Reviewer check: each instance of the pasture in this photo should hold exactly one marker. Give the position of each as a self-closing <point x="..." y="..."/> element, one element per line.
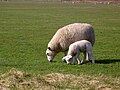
<point x="26" y="29"/>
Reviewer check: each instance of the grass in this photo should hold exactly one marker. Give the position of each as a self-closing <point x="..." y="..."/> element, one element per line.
<point x="26" y="29"/>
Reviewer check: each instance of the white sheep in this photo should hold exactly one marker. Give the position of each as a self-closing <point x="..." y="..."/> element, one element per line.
<point x="75" y="49"/>
<point x="68" y="35"/>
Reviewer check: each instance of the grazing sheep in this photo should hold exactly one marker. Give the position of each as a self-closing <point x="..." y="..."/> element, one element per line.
<point x="75" y="49"/>
<point x="68" y="35"/>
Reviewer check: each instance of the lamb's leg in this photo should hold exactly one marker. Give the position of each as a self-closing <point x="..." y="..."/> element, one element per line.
<point x="78" y="60"/>
<point x="87" y="56"/>
<point x="78" y="57"/>
<point x="74" y="60"/>
<point x="84" y="57"/>
<point x="89" y="51"/>
<point x="93" y="59"/>
<point x="92" y="56"/>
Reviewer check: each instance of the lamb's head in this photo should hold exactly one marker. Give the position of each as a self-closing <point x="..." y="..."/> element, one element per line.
<point x="50" y="54"/>
<point x="68" y="59"/>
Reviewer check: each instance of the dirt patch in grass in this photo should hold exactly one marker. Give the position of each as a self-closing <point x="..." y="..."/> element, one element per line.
<point x="83" y="82"/>
<point x="19" y="80"/>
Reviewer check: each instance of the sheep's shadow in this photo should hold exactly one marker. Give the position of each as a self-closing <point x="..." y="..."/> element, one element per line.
<point x="107" y="61"/>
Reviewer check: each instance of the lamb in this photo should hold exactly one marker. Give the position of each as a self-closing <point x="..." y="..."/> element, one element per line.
<point x="67" y="35"/>
<point x="75" y="49"/>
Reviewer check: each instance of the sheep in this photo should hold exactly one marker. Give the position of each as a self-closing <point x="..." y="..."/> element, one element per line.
<point x="75" y="49"/>
<point x="67" y="35"/>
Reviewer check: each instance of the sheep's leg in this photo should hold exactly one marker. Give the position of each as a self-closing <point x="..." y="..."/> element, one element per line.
<point x="84" y="58"/>
<point x="93" y="59"/>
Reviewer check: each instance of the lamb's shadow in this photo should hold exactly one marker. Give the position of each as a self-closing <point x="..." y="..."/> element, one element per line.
<point x="107" y="61"/>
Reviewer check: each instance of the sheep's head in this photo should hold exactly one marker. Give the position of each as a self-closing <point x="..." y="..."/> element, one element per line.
<point x="50" y="54"/>
<point x="68" y="59"/>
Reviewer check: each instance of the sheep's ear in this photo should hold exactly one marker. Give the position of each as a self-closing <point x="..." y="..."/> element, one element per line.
<point x="49" y="48"/>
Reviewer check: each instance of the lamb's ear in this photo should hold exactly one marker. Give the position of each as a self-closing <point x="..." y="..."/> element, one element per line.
<point x="70" y="56"/>
<point x="63" y="58"/>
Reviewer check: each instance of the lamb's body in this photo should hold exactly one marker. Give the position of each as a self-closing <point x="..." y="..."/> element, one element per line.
<point x="77" y="47"/>
<point x="70" y="34"/>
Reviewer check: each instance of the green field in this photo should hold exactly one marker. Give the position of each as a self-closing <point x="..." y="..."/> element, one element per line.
<point x="26" y="29"/>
